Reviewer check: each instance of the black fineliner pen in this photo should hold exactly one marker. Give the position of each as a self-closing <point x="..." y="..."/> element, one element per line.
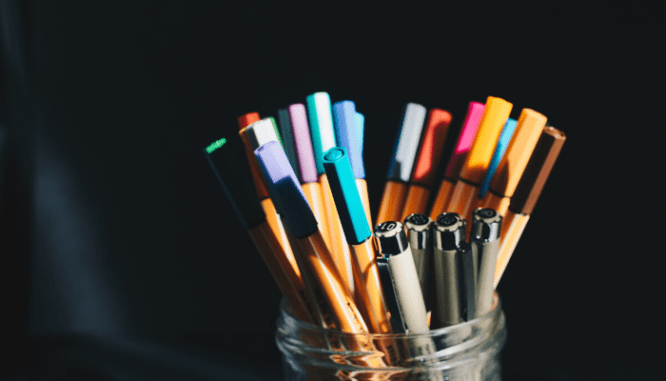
<point x="453" y="272"/>
<point x="484" y="237"/>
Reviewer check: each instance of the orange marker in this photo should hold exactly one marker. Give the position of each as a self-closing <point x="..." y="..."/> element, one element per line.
<point x="402" y="162"/>
<point x="239" y="191"/>
<point x="494" y="117"/>
<point x="254" y="136"/>
<point x="527" y="193"/>
<point x="511" y="167"/>
<point x="464" y="142"/>
<point x="423" y="177"/>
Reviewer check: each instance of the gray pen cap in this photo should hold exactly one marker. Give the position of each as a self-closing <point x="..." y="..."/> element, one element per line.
<point x="390" y="237"/>
<point x="449" y="230"/>
<point x="486" y="225"/>
<point x="418" y="226"/>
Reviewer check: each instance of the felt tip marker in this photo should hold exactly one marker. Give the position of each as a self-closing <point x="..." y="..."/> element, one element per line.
<point x="494" y="117"/>
<point x="429" y="156"/>
<point x="464" y="142"/>
<point x="527" y="193"/>
<point x="402" y="162"/>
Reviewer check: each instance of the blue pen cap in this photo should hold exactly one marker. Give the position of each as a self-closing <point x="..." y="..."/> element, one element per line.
<point x="500" y="148"/>
<point x="289" y="199"/>
<point x="346" y="132"/>
<point x="346" y="196"/>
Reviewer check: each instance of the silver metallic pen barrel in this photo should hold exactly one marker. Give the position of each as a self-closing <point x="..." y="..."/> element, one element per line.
<point x="484" y="237"/>
<point x="454" y="287"/>
<point x="419" y="233"/>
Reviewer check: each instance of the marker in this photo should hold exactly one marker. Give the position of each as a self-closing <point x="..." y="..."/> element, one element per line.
<point x="400" y="167"/>
<point x="396" y="260"/>
<point x="485" y="239"/>
<point x="512" y="165"/>
<point x="368" y="288"/>
<point x="349" y="136"/>
<point x="478" y="158"/>
<point x="253" y="136"/>
<point x="464" y="142"/>
<point x="323" y="139"/>
<point x="527" y="193"/>
<point x="244" y="121"/>
<point x="286" y="131"/>
<point x="240" y="193"/>
<point x="307" y="168"/>
<point x="453" y="271"/>
<point x="333" y="298"/>
<point x="430" y="153"/>
<point x="419" y="232"/>
<point x="500" y="148"/>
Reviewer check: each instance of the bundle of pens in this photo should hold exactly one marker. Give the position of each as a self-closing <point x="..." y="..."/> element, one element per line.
<point x="311" y="221"/>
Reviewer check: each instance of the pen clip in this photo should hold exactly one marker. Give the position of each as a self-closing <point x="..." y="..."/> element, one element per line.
<point x="467" y="285"/>
<point x="389" y="294"/>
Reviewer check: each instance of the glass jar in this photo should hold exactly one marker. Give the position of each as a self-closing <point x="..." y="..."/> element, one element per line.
<point x="466" y="351"/>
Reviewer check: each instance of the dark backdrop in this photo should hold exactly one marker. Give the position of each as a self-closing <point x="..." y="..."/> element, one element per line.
<point x="114" y="227"/>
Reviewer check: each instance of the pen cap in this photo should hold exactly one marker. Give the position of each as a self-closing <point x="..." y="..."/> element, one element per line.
<point x="360" y="132"/>
<point x="347" y="135"/>
<point x="345" y="195"/>
<point x="407" y="143"/>
<point x="286" y="132"/>
<point x="236" y="186"/>
<point x="537" y="170"/>
<point x="431" y="149"/>
<point x="419" y="225"/>
<point x="449" y="231"/>
<point x="303" y="143"/>
<point x="465" y="139"/>
<point x="247" y="119"/>
<point x="262" y="132"/>
<point x="390" y="238"/>
<point x="486" y="225"/>
<point x="290" y="201"/>
<point x="321" y="126"/>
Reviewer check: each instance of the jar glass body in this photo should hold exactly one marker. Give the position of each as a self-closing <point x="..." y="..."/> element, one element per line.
<point x="466" y="351"/>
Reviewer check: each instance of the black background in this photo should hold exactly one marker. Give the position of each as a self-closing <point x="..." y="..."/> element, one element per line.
<point x="114" y="228"/>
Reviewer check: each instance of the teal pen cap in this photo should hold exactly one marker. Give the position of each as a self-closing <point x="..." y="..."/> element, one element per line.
<point x="321" y="126"/>
<point x="346" y="196"/>
<point x="500" y="148"/>
<point x="284" y="121"/>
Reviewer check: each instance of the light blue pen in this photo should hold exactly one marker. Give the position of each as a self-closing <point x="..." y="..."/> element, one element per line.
<point x="500" y="148"/>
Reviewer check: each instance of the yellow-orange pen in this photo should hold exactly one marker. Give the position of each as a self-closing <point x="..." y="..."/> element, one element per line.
<point x="527" y="193"/>
<point x="400" y="167"/>
<point x="511" y="167"/>
<point x="429" y="155"/>
<point x="465" y="139"/>
<point x="323" y="139"/>
<point x="239" y="191"/>
<point x="334" y="296"/>
<point x="494" y="117"/>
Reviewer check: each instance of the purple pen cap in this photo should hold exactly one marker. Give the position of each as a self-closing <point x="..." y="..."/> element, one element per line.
<point x="303" y="143"/>
<point x="289" y="199"/>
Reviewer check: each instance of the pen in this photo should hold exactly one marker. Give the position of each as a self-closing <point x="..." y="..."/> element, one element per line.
<point x="402" y="161"/>
<point x="253" y="136"/>
<point x="244" y="121"/>
<point x="485" y="239"/>
<point x="349" y="134"/>
<point x="464" y="142"/>
<point x="240" y="193"/>
<point x="494" y="117"/>
<point x="307" y="168"/>
<point x="511" y="167"/>
<point x="527" y="193"/>
<point x="425" y="169"/>
<point x="419" y="227"/>
<point x="455" y="287"/>
<point x="332" y="296"/>
<point x="286" y="132"/>
<point x="323" y="139"/>
<point x="498" y="154"/>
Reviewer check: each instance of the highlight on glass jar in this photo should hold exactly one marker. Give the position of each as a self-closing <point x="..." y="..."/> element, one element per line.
<point x="465" y="351"/>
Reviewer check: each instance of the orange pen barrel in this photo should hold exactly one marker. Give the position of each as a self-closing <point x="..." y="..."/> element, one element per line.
<point x="393" y="201"/>
<point x="442" y="198"/>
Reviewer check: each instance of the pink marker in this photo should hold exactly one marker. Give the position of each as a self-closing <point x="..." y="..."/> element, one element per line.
<point x="465" y="140"/>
